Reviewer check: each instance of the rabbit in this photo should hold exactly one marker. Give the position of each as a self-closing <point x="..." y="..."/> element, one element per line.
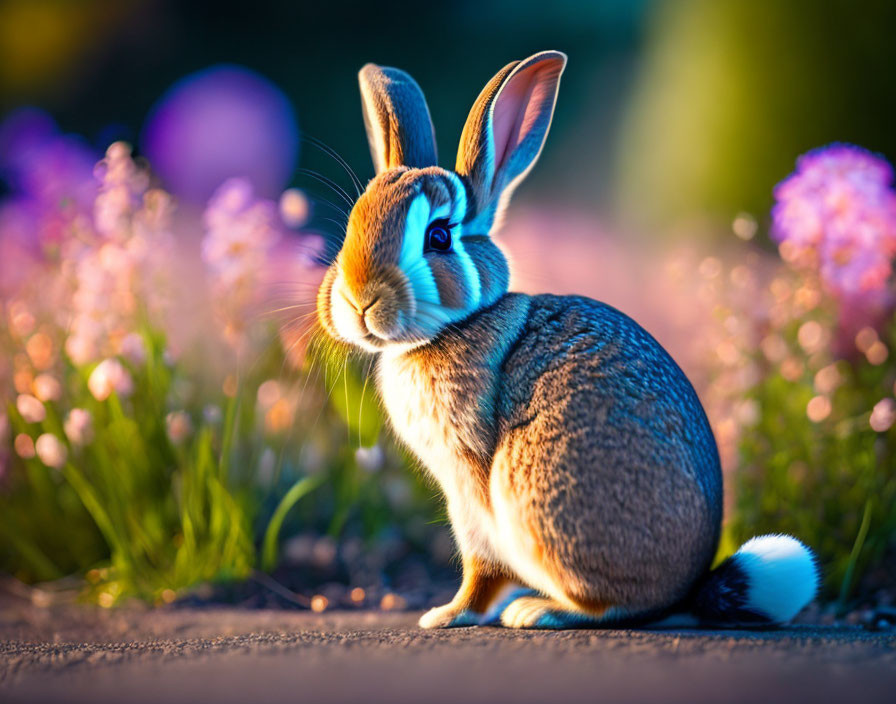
<point x="581" y="476"/>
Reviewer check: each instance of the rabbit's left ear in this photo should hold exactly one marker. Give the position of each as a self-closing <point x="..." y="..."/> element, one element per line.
<point x="399" y="128"/>
<point x="506" y="129"/>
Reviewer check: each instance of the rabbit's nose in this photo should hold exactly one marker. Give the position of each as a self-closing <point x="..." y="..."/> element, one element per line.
<point x="380" y="312"/>
<point x="367" y="303"/>
<point x="364" y="305"/>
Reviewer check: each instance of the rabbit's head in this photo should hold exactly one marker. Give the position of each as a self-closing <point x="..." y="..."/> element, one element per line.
<point x="417" y="254"/>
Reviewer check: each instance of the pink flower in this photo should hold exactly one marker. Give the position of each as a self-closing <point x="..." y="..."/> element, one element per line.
<point x="78" y="426"/>
<point x="883" y="415"/>
<point x="179" y="426"/>
<point x="47" y="388"/>
<point x="241" y="231"/>
<point x="24" y="446"/>
<point x="30" y="408"/>
<point x="133" y="349"/>
<point x="837" y="213"/>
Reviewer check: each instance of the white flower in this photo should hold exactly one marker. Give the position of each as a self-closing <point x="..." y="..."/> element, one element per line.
<point x="51" y="450"/>
<point x="212" y="414"/>
<point x="79" y="426"/>
<point x="179" y="426"/>
<point x="30" y="408"/>
<point x="47" y="388"/>
<point x="80" y="349"/>
<point x="883" y="416"/>
<point x="108" y="376"/>
<point x="370" y="459"/>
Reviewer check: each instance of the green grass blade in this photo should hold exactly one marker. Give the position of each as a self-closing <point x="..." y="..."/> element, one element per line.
<point x="93" y="505"/>
<point x="32" y="554"/>
<point x="228" y="437"/>
<point x="846" y="586"/>
<point x="269" y="546"/>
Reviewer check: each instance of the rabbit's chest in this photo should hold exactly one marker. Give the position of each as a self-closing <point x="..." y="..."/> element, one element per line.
<point x="440" y="418"/>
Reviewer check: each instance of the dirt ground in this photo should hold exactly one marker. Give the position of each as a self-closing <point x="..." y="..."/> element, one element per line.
<point x="230" y="655"/>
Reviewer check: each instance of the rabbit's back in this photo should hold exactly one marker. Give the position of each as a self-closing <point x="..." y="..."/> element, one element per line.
<point x="605" y="462"/>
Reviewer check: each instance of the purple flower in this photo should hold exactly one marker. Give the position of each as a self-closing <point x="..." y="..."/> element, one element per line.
<point x="43" y="166"/>
<point x="51" y="186"/>
<point x="837" y="213"/>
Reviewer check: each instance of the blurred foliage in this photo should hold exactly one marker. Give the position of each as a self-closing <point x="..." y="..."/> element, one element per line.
<point x="143" y="514"/>
<point x="832" y="480"/>
<point x="731" y="92"/>
<point x="148" y="511"/>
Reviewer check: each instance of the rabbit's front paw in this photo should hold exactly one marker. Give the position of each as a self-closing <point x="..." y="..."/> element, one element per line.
<point x="448" y="616"/>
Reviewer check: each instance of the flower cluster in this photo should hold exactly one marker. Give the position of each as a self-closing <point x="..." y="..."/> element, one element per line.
<point x="803" y="398"/>
<point x="837" y="213"/>
<point x="99" y="304"/>
<point x="240" y="234"/>
<point x="123" y="266"/>
<point x="91" y="256"/>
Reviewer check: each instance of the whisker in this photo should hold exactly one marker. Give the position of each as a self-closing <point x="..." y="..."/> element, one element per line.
<point x="293" y="329"/>
<point x="300" y="338"/>
<point x="286" y="308"/>
<point x="348" y="429"/>
<point x="323" y="201"/>
<point x="363" y="391"/>
<point x="340" y="225"/>
<point x="339" y="190"/>
<point x="320" y="144"/>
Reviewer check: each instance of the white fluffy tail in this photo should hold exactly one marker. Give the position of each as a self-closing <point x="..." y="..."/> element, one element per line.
<point x="768" y="580"/>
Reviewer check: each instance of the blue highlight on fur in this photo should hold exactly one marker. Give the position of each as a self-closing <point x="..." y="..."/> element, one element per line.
<point x="492" y="617"/>
<point x="464" y="619"/>
<point x="565" y="619"/>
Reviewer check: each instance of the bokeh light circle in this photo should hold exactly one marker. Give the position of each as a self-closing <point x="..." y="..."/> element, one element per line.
<point x="222" y="122"/>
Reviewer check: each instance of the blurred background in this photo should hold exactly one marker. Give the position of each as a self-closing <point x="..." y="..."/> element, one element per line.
<point x="669" y="111"/>
<point x="655" y="193"/>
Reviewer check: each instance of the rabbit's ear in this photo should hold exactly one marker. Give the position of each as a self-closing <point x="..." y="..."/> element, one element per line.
<point x="506" y="129"/>
<point x="399" y="128"/>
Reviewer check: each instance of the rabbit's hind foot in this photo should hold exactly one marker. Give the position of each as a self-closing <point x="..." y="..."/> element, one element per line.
<point x="448" y="616"/>
<point x="546" y="613"/>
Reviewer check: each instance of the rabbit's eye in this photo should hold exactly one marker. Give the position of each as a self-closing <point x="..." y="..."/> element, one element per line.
<point x="438" y="236"/>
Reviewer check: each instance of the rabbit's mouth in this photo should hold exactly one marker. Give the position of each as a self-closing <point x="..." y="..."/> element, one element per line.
<point x="372" y="316"/>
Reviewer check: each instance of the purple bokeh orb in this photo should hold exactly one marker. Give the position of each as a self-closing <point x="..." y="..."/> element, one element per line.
<point x="219" y="123"/>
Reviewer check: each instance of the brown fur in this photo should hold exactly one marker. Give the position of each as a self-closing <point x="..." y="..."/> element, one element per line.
<point x="614" y="518"/>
